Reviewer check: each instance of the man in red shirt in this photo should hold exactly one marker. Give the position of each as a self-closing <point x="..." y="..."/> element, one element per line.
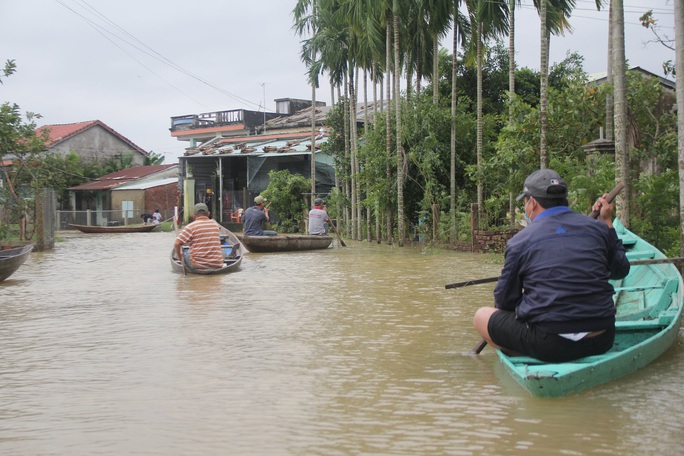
<point x="203" y="238"/>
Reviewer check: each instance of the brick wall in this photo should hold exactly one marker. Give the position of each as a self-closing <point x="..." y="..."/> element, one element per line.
<point x="164" y="198"/>
<point x="491" y="241"/>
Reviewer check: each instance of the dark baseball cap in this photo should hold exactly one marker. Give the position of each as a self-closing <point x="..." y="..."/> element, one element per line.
<point x="544" y="183"/>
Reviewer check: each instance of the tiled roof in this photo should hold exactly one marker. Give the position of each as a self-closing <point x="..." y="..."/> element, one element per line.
<point x="125" y="176"/>
<point x="61" y="132"/>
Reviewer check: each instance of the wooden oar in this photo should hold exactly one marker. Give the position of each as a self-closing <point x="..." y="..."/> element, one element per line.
<point x="339" y="238"/>
<point x="471" y="282"/>
<point x="594" y="214"/>
<point x="675" y="260"/>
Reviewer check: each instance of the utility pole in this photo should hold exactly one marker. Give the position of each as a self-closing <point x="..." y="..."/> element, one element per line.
<point x="263" y="84"/>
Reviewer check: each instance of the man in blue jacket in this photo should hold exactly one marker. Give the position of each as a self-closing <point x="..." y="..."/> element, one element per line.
<point x="553" y="300"/>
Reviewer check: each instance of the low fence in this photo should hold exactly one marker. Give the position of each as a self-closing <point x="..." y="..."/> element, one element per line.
<point x="100" y="218"/>
<point x="483" y="241"/>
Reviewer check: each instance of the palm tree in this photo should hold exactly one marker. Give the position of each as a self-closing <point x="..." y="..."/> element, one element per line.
<point x="553" y="15"/>
<point x="309" y="56"/>
<point x="679" y="53"/>
<point x="439" y="13"/>
<point x="396" y="11"/>
<point x="489" y="19"/>
<point x="619" y="67"/>
<point x="461" y="29"/>
<point x="511" y="90"/>
<point x="544" y="80"/>
<point x="610" y="116"/>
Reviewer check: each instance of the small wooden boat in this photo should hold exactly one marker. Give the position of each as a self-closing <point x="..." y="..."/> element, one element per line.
<point x="649" y="308"/>
<point x="285" y="243"/>
<point x="11" y="259"/>
<point x="232" y="251"/>
<point x="114" y="229"/>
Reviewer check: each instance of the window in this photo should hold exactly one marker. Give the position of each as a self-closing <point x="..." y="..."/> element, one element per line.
<point x="127" y="209"/>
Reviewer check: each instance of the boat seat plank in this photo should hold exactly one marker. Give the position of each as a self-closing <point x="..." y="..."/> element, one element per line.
<point x="630" y="325"/>
<point x="640" y="255"/>
<point x="660" y="304"/>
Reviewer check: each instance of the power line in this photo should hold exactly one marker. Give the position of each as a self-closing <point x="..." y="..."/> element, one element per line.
<point x="142" y="47"/>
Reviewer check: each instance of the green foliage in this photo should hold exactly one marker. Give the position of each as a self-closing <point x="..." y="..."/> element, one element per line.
<point x="9" y="69"/>
<point x="570" y="108"/>
<point x="657" y="218"/>
<point x="286" y="194"/>
<point x="153" y="159"/>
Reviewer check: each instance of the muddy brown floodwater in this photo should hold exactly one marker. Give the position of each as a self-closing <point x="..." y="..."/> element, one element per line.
<point x="345" y="351"/>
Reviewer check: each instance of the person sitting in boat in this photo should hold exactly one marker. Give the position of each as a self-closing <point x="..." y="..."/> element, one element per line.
<point x="156" y="217"/>
<point x="146" y="218"/>
<point x="318" y="218"/>
<point x="255" y="217"/>
<point x="553" y="300"/>
<point x="203" y="238"/>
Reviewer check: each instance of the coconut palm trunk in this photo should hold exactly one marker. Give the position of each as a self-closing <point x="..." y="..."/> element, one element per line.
<point x="543" y="86"/>
<point x="400" y="149"/>
<point x="679" y="57"/>
<point x="454" y="95"/>
<point x="388" y="122"/>
<point x="480" y="126"/>
<point x="621" y="122"/>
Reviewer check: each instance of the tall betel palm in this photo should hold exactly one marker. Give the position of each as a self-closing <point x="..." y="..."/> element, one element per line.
<point x="679" y="59"/>
<point x="511" y="92"/>
<point x="310" y="58"/>
<point x="619" y="67"/>
<point x="554" y="20"/>
<point x="461" y="29"/>
<point x="489" y="20"/>
<point x="544" y="79"/>
<point x="440" y="13"/>
<point x="366" y="45"/>
<point x="397" y="7"/>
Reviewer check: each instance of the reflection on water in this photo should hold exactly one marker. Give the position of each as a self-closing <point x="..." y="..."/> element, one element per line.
<point x="357" y="350"/>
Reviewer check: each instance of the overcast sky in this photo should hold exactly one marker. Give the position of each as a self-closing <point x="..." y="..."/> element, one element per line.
<point x="134" y="64"/>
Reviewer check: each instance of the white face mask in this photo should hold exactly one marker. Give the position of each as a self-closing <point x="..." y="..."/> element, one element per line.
<point x="527" y="217"/>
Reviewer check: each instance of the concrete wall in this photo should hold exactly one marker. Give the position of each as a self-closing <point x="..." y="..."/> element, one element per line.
<point x="137" y="196"/>
<point x="97" y="143"/>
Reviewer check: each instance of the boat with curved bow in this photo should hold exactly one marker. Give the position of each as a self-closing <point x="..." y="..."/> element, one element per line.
<point x="285" y="243"/>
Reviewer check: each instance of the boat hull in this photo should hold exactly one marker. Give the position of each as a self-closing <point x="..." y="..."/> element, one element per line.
<point x="232" y="260"/>
<point x="649" y="307"/>
<point x="12" y="259"/>
<point x="114" y="229"/>
<point x="285" y="243"/>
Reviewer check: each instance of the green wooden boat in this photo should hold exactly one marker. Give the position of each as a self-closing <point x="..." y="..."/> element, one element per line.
<point x="649" y="308"/>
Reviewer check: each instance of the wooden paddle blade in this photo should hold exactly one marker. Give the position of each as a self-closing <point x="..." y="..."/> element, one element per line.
<point x="479" y="347"/>
<point x="337" y="233"/>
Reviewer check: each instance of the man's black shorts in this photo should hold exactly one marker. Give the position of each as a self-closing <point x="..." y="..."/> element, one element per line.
<point x="514" y="335"/>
